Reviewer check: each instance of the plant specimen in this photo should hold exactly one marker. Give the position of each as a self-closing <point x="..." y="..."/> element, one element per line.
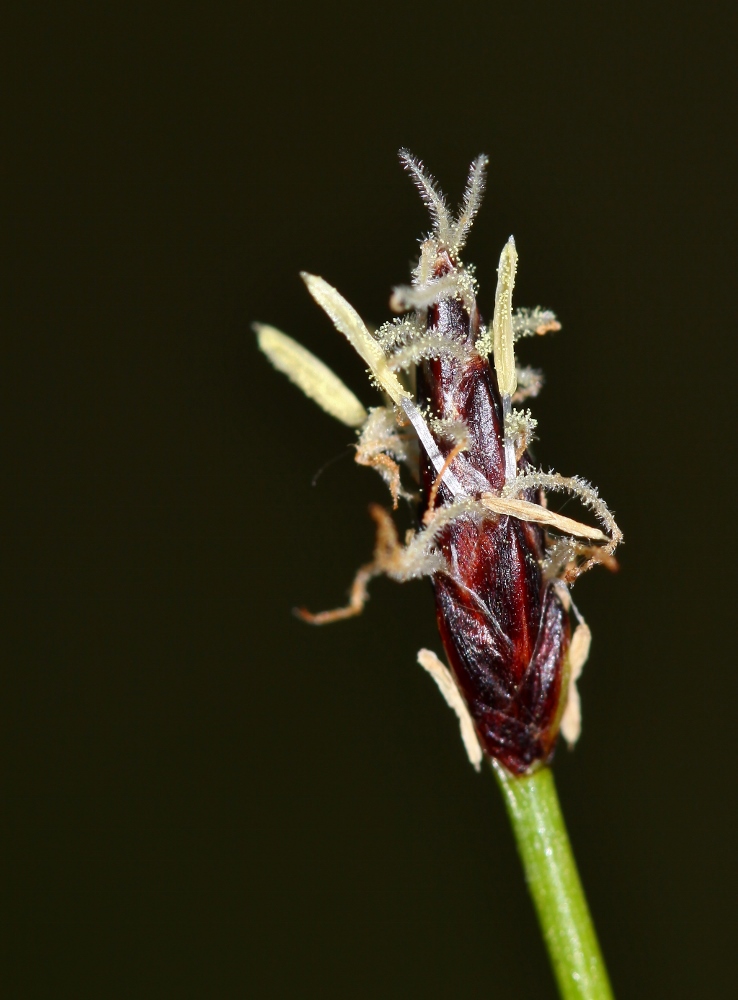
<point x="452" y="439"/>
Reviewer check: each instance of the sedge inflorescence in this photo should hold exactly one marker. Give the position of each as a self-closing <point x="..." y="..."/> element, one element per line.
<point x="452" y="439"/>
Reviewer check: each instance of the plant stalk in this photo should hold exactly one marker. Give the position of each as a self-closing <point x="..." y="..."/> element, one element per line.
<point x="553" y="881"/>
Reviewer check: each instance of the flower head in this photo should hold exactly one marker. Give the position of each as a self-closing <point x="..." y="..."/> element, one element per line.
<point x="500" y="561"/>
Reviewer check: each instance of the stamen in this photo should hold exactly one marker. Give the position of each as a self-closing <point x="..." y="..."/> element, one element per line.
<point x="504" y="344"/>
<point x="348" y="322"/>
<point x="428" y="441"/>
<point x="430" y="512"/>
<point x="310" y="374"/>
<point x="527" y="511"/>
<point x="510" y="463"/>
<point x="447" y="686"/>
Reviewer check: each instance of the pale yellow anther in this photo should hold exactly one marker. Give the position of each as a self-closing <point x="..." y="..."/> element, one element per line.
<point x="502" y="330"/>
<point x="452" y="696"/>
<point x="571" y="720"/>
<point x="310" y="374"/>
<point x="348" y="322"/>
<point x="524" y="510"/>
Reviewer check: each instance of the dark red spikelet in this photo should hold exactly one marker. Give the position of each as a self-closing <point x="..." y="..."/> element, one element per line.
<point x="503" y="621"/>
<point x="504" y="629"/>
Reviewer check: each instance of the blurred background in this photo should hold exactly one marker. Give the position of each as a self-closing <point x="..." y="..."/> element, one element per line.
<point x="202" y="796"/>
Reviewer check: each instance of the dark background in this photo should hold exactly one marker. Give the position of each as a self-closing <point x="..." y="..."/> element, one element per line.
<point x="202" y="796"/>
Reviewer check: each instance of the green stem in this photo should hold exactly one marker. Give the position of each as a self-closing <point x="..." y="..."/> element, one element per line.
<point x="553" y="880"/>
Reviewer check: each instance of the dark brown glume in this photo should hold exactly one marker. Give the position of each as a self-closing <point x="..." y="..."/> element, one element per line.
<point x="504" y="629"/>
